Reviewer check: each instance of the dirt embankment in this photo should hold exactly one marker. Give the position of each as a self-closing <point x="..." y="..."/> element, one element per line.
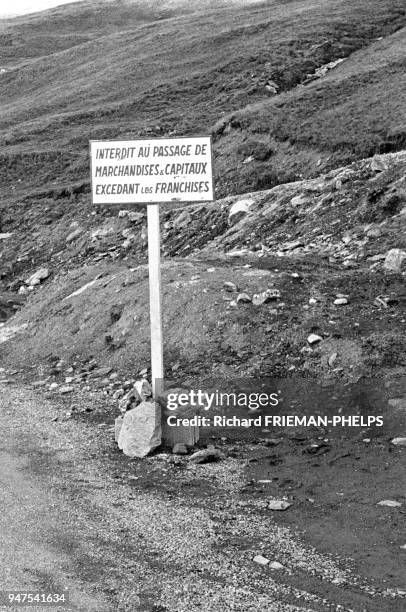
<point x="320" y="244"/>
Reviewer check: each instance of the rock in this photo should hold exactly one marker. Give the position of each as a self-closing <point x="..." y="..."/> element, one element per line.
<point x="37" y="277"/>
<point x="53" y="386"/>
<point x="243" y="298"/>
<point x="141" y="430"/>
<point x="207" y="455"/>
<point x="143" y="389"/>
<point x="182" y="220"/>
<point x="265" y="296"/>
<point x="278" y="504"/>
<point x="65" y="389"/>
<point x="390" y="503"/>
<point x="377" y="257"/>
<point x="399" y="441"/>
<point x="180" y="449"/>
<point x="291" y="246"/>
<point x="231" y="287"/>
<point x="332" y="359"/>
<point x="261" y="560"/>
<point x="75" y="234"/>
<point x="378" y="164"/>
<point x="115" y="312"/>
<point x="239" y="210"/>
<point x="129" y="400"/>
<point x="312" y="301"/>
<point x="394" y="260"/>
<point x="275" y="565"/>
<point x="6" y="235"/>
<point x="98" y="372"/>
<point x="340" y="301"/>
<point x="314" y="339"/>
<point x="298" y="201"/>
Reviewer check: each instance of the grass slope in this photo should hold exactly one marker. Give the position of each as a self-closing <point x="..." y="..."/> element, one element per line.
<point x="124" y="69"/>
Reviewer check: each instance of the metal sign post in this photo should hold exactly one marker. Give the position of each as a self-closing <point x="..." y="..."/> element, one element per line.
<point x="155" y="299"/>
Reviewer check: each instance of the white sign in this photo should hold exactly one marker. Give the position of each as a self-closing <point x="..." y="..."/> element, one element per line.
<point x="152" y="170"/>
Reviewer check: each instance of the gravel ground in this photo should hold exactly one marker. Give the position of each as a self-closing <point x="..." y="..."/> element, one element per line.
<point x="69" y="520"/>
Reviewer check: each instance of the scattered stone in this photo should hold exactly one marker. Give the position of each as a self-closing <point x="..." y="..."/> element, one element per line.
<point x="141" y="430"/>
<point x="230" y="287"/>
<point x="261" y="560"/>
<point x="75" y="234"/>
<point x="399" y="441"/>
<point x="143" y="389"/>
<point x="342" y="301"/>
<point x="314" y="339"/>
<point x="390" y="503"/>
<point x="134" y="217"/>
<point x="182" y="220"/>
<point x="37" y="277"/>
<point x="332" y="359"/>
<point x="265" y="296"/>
<point x="243" y="298"/>
<point x="278" y="504"/>
<point x="115" y="312"/>
<point x="394" y="260"/>
<point x="374" y="232"/>
<point x="239" y="210"/>
<point x="378" y="164"/>
<point x="180" y="449"/>
<point x="65" y="389"/>
<point x="275" y="565"/>
<point x="207" y="455"/>
<point x="377" y="257"/>
<point x="381" y="301"/>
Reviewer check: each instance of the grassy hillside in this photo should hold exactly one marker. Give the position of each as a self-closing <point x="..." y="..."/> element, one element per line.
<point x="124" y="69"/>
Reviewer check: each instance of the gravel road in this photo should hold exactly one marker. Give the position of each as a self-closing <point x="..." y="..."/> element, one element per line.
<point x="69" y="521"/>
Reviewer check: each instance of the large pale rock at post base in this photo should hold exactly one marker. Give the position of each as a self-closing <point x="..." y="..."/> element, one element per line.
<point x="141" y="431"/>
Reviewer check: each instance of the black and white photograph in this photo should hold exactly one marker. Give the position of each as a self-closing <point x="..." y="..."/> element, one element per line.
<point x="203" y="305"/>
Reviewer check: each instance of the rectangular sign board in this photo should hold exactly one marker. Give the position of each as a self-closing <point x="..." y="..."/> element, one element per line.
<point x="152" y="170"/>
